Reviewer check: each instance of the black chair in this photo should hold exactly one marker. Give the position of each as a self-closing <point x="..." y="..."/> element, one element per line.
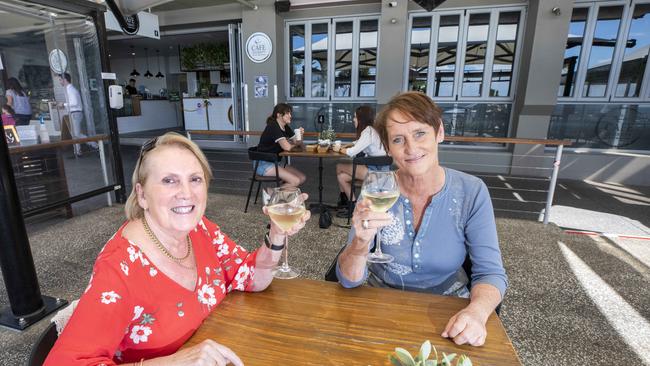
<point x="331" y="276"/>
<point x="43" y="346"/>
<point x="364" y="160"/>
<point x="256" y="156"/>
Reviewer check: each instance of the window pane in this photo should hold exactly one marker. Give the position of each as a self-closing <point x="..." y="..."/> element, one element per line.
<point x="572" y="51"/>
<point x="319" y="60"/>
<point x="637" y="48"/>
<point x="602" y="125"/>
<point x="504" y="54"/>
<point x="343" y="59"/>
<point x="367" y="57"/>
<point x="477" y="35"/>
<point x="297" y="71"/>
<point x="446" y="57"/>
<point x="602" y="50"/>
<point x="419" y="54"/>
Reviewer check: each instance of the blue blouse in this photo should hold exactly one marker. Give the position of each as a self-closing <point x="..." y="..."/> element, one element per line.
<point x="459" y="219"/>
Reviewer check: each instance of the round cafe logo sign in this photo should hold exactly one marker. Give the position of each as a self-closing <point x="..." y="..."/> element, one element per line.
<point x="259" y="47"/>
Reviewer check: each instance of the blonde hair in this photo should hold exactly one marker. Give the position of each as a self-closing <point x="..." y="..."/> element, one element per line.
<point x="132" y="208"/>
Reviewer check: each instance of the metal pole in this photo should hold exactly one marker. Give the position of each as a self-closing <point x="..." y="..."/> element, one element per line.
<point x="102" y="161"/>
<point x="27" y="305"/>
<point x="551" y="185"/>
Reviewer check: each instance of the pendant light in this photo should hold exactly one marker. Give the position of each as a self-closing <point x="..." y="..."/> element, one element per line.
<point x="159" y="75"/>
<point x="147" y="74"/>
<point x="135" y="72"/>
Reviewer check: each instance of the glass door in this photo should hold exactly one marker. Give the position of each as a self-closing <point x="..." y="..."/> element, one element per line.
<point x="52" y="90"/>
<point x="236" y="111"/>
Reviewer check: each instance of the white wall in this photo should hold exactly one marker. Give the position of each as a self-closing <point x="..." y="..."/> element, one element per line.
<point x="155" y="114"/>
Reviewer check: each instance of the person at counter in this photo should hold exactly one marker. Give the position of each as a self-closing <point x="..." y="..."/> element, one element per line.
<point x="18" y="100"/>
<point x="277" y="137"/>
<point x="130" y="88"/>
<point x="165" y="270"/>
<point x="441" y="216"/>
<point x="75" y="112"/>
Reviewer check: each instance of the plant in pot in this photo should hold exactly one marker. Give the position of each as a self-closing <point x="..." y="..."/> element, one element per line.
<point x="402" y="357"/>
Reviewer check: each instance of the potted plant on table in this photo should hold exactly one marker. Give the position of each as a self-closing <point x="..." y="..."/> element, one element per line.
<point x="402" y="357"/>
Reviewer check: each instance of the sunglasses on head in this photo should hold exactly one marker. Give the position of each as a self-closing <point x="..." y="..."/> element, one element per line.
<point x="148" y="146"/>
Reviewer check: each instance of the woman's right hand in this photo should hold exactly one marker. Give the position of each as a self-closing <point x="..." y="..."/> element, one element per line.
<point x="375" y="220"/>
<point x="206" y="353"/>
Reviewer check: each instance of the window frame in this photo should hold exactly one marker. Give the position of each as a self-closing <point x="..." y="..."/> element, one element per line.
<point x="461" y="46"/>
<point x="331" y="53"/>
<point x="644" y="94"/>
<point x="617" y="56"/>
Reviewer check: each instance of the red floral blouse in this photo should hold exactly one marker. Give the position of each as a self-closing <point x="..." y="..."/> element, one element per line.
<point x="131" y="310"/>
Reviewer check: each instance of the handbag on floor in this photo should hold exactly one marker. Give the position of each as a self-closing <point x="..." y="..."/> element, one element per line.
<point x="325" y="219"/>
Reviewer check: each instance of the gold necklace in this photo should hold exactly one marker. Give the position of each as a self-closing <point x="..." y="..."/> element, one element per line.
<point x="162" y="248"/>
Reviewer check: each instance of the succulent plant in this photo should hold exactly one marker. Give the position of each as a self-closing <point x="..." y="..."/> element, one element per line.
<point x="402" y="357"/>
<point x="328" y="134"/>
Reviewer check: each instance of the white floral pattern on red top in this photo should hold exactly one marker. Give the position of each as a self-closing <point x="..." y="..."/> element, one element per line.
<point x="223" y="250"/>
<point x="137" y="312"/>
<point x="242" y="276"/>
<point x="140" y="333"/>
<point x="219" y="237"/>
<point x="125" y="268"/>
<point x="206" y="295"/>
<point x="109" y="297"/>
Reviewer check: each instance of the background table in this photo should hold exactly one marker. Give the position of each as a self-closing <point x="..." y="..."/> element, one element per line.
<point x="306" y="322"/>
<point x="326" y="155"/>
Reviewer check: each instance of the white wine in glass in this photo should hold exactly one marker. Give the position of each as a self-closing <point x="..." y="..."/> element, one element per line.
<point x="381" y="201"/>
<point x="286" y="215"/>
<point x="380" y="187"/>
<point x="286" y="209"/>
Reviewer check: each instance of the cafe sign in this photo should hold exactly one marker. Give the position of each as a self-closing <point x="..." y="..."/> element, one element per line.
<point x="259" y="47"/>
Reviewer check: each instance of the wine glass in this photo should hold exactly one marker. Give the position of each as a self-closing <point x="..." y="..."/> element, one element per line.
<point x="380" y="187"/>
<point x="286" y="209"/>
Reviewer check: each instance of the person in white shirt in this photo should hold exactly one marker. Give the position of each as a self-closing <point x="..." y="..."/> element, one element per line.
<point x="367" y="142"/>
<point x="75" y="112"/>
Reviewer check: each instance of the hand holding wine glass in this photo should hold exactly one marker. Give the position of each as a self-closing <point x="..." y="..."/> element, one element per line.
<point x="381" y="190"/>
<point x="288" y="215"/>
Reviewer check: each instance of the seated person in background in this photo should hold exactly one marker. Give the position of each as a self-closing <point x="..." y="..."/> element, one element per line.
<point x="8" y="116"/>
<point x="164" y="271"/>
<point x="130" y="88"/>
<point x="440" y="217"/>
<point x="369" y="143"/>
<point x="278" y="137"/>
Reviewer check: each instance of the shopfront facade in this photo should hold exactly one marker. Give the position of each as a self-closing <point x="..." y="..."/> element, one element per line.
<point x="527" y="69"/>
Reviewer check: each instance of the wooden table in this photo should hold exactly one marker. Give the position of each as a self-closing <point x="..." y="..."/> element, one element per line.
<point x="306" y="154"/>
<point x="306" y="322"/>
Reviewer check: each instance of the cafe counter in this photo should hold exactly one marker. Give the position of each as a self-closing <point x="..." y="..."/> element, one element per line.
<point x="218" y="116"/>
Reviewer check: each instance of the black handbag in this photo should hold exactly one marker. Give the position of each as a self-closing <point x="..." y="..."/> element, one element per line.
<point x="325" y="219"/>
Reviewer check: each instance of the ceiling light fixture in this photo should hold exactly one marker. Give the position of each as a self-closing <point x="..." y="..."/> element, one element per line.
<point x="147" y="74"/>
<point x="159" y="75"/>
<point x="135" y="72"/>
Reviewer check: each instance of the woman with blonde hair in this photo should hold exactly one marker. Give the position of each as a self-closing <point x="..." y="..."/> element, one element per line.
<point x="164" y="271"/>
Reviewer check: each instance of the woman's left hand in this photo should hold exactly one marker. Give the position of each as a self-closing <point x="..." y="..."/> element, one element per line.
<point x="467" y="326"/>
<point x="276" y="233"/>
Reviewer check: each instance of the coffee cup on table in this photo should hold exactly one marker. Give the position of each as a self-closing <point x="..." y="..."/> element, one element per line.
<point x="297" y="134"/>
<point x="337" y="146"/>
